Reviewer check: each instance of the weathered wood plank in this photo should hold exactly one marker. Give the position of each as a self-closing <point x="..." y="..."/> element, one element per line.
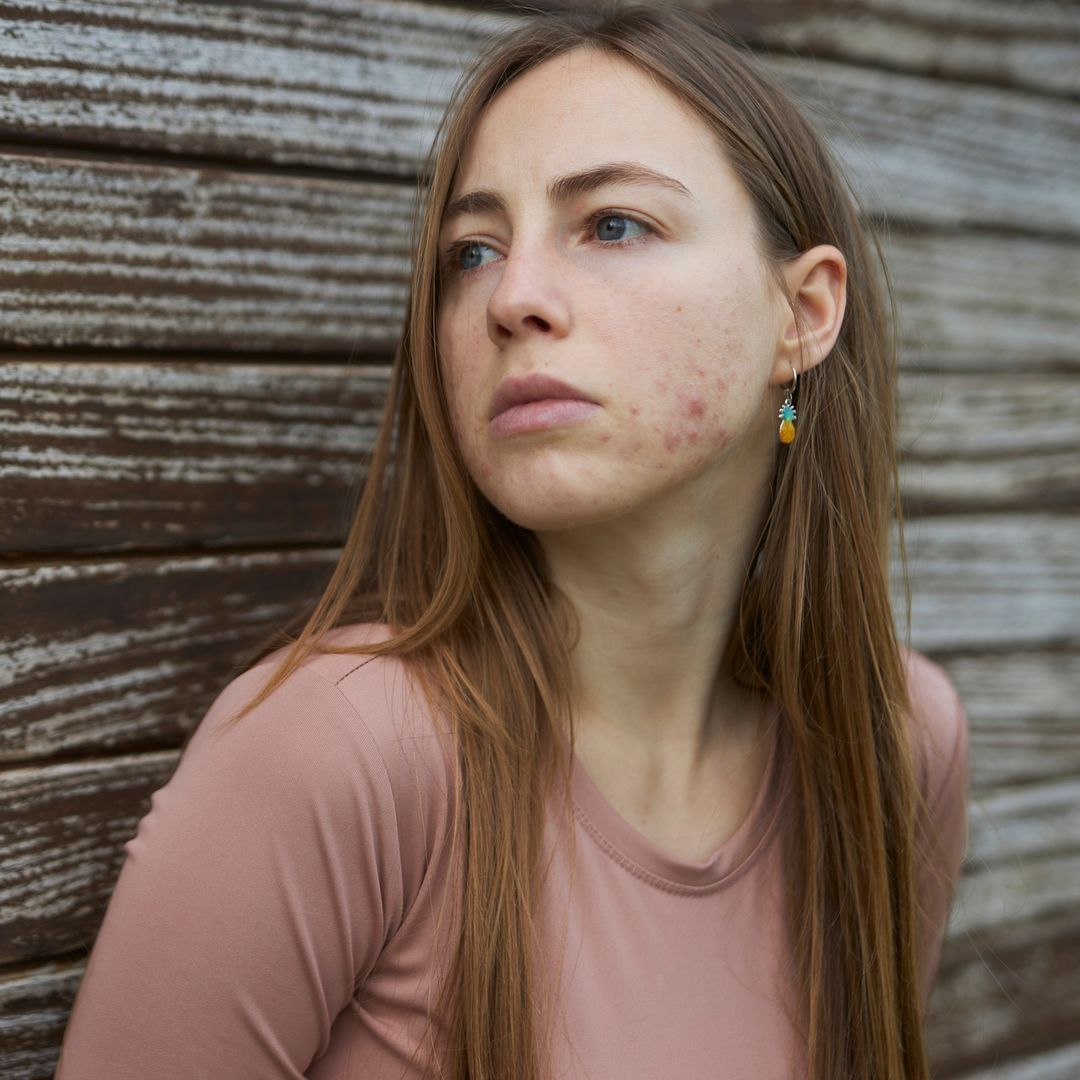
<point x="119" y="654"/>
<point x="35" y="1002"/>
<point x="333" y="84"/>
<point x="988" y="441"/>
<point x="124" y="455"/>
<point x="1061" y="1063"/>
<point x="118" y="456"/>
<point x="1024" y="46"/>
<point x="991" y="581"/>
<point x="126" y="654"/>
<point x="122" y="255"/>
<point x="983" y="301"/>
<point x="1022" y="709"/>
<point x="147" y="256"/>
<point x="364" y="89"/>
<point x="1006" y="994"/>
<point x="62" y="836"/>
<point x="1023" y="857"/>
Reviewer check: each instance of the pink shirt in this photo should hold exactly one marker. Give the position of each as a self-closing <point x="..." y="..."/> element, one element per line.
<point x="275" y="916"/>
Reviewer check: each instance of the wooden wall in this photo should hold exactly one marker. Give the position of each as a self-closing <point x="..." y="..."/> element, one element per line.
<point x="204" y="267"/>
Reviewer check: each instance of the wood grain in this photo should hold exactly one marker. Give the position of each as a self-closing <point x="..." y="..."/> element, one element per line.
<point x="118" y="654"/>
<point x="134" y="256"/>
<point x="108" y="457"/>
<point x="121" y="653"/>
<point x="316" y="84"/>
<point x="117" y="456"/>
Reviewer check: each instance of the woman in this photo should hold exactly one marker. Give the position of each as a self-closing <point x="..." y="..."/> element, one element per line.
<point x="599" y="754"/>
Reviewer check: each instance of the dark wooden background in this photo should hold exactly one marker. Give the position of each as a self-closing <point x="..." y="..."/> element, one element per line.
<point x="204" y="258"/>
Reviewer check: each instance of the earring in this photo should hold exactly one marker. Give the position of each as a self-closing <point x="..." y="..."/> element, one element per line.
<point x="787" y="411"/>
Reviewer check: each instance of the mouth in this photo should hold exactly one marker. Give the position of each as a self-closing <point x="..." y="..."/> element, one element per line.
<point x="522" y="390"/>
<point x="540" y="415"/>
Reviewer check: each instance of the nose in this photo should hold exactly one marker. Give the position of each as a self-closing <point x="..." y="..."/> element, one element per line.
<point x="529" y="296"/>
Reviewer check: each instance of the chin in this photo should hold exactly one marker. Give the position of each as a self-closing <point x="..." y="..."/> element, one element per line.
<point x="547" y="511"/>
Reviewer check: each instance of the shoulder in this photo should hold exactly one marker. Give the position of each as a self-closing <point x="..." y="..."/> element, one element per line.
<point x="939" y="726"/>
<point x="352" y="731"/>
<point x="383" y="702"/>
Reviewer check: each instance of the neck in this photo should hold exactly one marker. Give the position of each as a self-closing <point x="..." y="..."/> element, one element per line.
<point x="655" y="591"/>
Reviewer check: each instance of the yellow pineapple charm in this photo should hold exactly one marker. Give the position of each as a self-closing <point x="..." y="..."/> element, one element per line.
<point x="787" y="413"/>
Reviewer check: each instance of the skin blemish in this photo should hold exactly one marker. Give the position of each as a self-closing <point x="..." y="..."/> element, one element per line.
<point x="696" y="408"/>
<point x="694" y="436"/>
<point x="635" y="409"/>
<point x="606" y="437"/>
<point x="672" y="441"/>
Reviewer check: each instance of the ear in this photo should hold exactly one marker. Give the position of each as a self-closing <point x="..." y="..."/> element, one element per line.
<point x="817" y="282"/>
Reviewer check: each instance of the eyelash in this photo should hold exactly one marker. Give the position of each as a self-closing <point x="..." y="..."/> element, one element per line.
<point x="450" y="254"/>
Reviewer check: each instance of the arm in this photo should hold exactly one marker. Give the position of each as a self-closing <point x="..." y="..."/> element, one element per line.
<point x="943" y="839"/>
<point x="254" y="899"/>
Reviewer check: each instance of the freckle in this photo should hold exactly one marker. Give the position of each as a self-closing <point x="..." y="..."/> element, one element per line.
<point x="634" y="410"/>
<point x="678" y="309"/>
<point x="696" y="408"/>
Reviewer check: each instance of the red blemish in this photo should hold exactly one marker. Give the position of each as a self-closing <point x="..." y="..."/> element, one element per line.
<point x="696" y="408"/>
<point x="634" y="410"/>
<point x="605" y="437"/>
<point x="671" y="442"/>
<point x="694" y="436"/>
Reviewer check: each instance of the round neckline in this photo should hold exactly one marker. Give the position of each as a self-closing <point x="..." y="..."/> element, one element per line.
<point x="647" y="860"/>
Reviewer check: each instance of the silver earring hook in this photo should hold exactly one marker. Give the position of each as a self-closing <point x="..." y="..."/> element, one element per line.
<point x="794" y="381"/>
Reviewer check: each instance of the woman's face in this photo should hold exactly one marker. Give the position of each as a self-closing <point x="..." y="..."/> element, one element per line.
<point x="647" y="298"/>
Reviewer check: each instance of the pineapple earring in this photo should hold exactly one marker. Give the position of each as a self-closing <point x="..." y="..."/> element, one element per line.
<point x="787" y="411"/>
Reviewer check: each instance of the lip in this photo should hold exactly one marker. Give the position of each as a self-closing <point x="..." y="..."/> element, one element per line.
<point x="522" y="389"/>
<point x="538" y="415"/>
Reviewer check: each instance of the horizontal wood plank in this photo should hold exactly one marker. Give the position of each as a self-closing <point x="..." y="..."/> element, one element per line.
<point x="107" y="457"/>
<point x="336" y="85"/>
<point x="1031" y="47"/>
<point x="129" y="256"/>
<point x="35" y="1002"/>
<point x="119" y="456"/>
<point x="993" y="582"/>
<point x="988" y="441"/>
<point x="1022" y="714"/>
<point x="123" y="653"/>
<point x="118" y="654"/>
<point x="364" y="89"/>
<point x="121" y="255"/>
<point x="1004" y="997"/>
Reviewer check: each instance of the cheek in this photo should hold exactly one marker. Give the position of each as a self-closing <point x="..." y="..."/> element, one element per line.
<point x="694" y="415"/>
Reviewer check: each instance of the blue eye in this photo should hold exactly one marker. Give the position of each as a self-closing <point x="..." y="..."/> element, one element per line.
<point x="450" y="258"/>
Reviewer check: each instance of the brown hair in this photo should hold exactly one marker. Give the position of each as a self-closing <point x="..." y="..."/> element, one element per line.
<point x="474" y="613"/>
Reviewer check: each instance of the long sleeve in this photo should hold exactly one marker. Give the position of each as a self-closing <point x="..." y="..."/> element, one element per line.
<point x="943" y="838"/>
<point x="255" y="897"/>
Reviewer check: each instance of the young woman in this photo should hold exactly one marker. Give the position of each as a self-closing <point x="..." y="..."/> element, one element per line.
<point x="599" y="756"/>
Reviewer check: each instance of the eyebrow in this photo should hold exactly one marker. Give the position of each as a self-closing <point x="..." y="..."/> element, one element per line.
<point x="564" y="188"/>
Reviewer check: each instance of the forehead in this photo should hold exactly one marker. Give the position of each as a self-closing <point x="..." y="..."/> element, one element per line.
<point x="580" y="108"/>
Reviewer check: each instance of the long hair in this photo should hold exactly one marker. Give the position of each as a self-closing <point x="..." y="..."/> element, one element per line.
<point x="473" y="611"/>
